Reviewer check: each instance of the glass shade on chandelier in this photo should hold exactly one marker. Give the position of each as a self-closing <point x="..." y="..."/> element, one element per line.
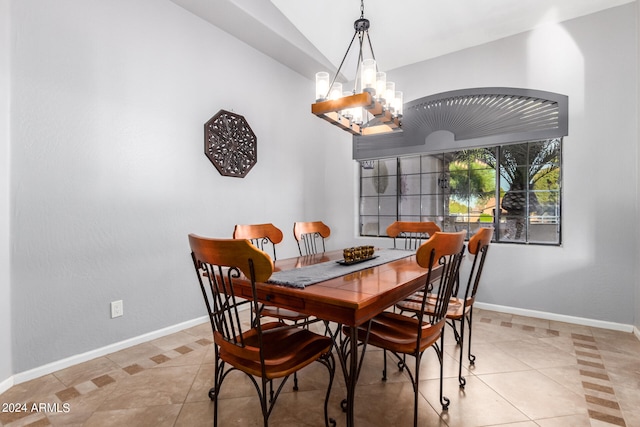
<point x="377" y="108"/>
<point x="381" y="82"/>
<point x="322" y="85"/>
<point x="374" y="106"/>
<point x="369" y="74"/>
<point x="336" y="91"/>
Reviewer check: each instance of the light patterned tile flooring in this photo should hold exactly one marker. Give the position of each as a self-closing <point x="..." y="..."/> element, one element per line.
<point x="528" y="372"/>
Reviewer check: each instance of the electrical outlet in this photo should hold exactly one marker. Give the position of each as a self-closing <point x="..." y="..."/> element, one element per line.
<point x="117" y="309"/>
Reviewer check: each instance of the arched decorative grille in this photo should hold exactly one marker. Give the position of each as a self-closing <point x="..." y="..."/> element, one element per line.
<point x="470" y="118"/>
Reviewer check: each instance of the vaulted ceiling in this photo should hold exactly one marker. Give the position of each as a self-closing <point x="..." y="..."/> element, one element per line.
<point x="313" y="35"/>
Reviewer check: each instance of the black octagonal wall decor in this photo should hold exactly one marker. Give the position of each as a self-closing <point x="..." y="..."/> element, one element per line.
<point x="230" y="144"/>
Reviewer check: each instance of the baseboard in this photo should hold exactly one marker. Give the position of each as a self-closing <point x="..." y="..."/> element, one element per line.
<point x="6" y="385"/>
<point x="79" y="358"/>
<point x="102" y="351"/>
<point x="559" y="317"/>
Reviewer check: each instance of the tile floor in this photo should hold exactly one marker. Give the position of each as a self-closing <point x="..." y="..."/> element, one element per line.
<point x="528" y="372"/>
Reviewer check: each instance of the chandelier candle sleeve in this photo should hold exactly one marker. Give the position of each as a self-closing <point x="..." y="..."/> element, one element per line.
<point x="397" y="104"/>
<point x="336" y="91"/>
<point x="347" y="112"/>
<point x="375" y="109"/>
<point x="322" y="85"/>
<point x="369" y="75"/>
<point x="381" y="84"/>
<point x="356" y="112"/>
<point x="390" y="93"/>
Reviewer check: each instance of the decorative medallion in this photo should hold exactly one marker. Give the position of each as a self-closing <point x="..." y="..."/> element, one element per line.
<point x="230" y="144"/>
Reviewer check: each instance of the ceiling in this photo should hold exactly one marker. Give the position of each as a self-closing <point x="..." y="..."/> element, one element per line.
<point x="313" y="35"/>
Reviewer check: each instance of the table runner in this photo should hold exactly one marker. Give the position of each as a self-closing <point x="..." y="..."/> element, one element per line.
<point x="309" y="275"/>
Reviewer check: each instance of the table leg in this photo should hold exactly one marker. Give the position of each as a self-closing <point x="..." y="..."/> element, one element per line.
<point x="347" y="351"/>
<point x="352" y="378"/>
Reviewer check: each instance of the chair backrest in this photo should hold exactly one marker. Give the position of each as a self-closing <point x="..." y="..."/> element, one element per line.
<point x="413" y="232"/>
<point x="261" y="235"/>
<point x="478" y="247"/>
<point x="307" y="235"/>
<point x="219" y="263"/>
<point x="442" y="253"/>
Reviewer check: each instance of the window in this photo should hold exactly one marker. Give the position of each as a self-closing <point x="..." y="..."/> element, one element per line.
<point x="516" y="188"/>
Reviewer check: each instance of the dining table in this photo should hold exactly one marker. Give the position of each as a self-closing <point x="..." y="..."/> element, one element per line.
<point x="347" y="300"/>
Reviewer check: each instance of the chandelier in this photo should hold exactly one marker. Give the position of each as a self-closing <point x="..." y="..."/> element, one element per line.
<point x="371" y="108"/>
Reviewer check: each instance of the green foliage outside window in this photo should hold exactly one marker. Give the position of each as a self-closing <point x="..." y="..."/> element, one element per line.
<point x="516" y="188"/>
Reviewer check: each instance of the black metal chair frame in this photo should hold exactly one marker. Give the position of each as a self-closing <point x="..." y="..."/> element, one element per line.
<point x="449" y="266"/>
<point x="412" y="241"/>
<point x="309" y="242"/>
<point x="414" y="233"/>
<point x="262" y="243"/>
<point x="446" y="285"/>
<point x="470" y="292"/>
<point x="223" y="309"/>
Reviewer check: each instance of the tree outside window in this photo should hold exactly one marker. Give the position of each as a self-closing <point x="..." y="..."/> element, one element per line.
<point x="514" y="187"/>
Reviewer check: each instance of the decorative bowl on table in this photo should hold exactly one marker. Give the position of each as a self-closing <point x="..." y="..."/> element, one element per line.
<point x="357" y="254"/>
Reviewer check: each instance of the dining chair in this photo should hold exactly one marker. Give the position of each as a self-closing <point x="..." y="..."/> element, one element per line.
<point x="262" y="236"/>
<point x="460" y="305"/>
<point x="266" y="351"/>
<point x="310" y="234"/>
<point x="403" y="335"/>
<point x="412" y="232"/>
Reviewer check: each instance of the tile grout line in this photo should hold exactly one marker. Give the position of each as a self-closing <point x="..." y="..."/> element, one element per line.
<point x="67" y="395"/>
<point x="595" y="380"/>
<point x="602" y="404"/>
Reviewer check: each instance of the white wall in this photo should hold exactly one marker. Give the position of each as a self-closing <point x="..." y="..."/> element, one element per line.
<point x="108" y="171"/>
<point x="592" y="59"/>
<point x="108" y="174"/>
<point x="637" y="298"/>
<point x="5" y="289"/>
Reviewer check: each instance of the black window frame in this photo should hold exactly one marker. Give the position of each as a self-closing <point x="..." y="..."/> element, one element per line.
<point x="520" y="228"/>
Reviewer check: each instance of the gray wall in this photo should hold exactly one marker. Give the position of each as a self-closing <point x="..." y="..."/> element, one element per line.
<point x="5" y="288"/>
<point x="592" y="59"/>
<point x="108" y="175"/>
<point x="637" y="299"/>
<point x="108" y="171"/>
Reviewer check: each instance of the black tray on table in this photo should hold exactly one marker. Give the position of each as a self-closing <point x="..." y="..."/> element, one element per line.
<point x="358" y="261"/>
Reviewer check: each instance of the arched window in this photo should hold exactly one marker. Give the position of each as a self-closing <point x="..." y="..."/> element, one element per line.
<point x="466" y="159"/>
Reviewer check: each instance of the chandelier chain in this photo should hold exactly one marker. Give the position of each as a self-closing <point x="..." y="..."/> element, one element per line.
<point x="350" y="112"/>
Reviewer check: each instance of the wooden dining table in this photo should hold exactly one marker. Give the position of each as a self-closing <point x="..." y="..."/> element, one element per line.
<point x="350" y="300"/>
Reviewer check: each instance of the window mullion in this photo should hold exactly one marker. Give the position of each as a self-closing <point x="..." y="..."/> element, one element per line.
<point x="398" y="188"/>
<point x="429" y="199"/>
<point x="497" y="217"/>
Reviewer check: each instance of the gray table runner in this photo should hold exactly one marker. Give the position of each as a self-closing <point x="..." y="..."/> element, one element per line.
<point x="309" y="275"/>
